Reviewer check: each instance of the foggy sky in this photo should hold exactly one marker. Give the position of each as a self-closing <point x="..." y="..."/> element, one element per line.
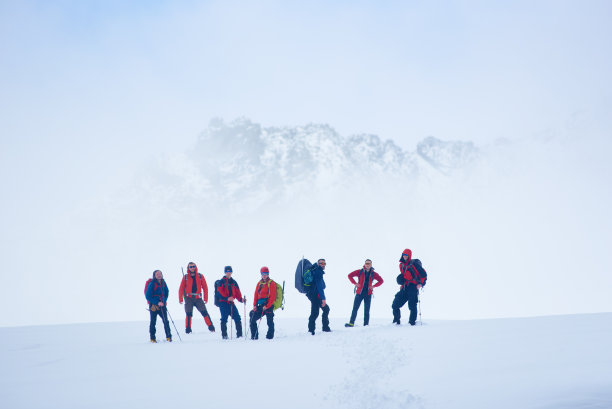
<point x="94" y="92"/>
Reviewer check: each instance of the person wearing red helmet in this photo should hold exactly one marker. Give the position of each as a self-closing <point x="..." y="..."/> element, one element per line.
<point x="411" y="278"/>
<point x="263" y="303"/>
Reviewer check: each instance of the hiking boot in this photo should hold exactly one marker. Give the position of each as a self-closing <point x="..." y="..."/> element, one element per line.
<point x="188" y="330"/>
<point x="396" y="322"/>
<point x="154" y="340"/>
<point x="326" y="329"/>
<point x="349" y="325"/>
<point x="412" y="323"/>
<point x="211" y="328"/>
<point x="311" y="332"/>
<point x="169" y="339"/>
<point x="224" y="337"/>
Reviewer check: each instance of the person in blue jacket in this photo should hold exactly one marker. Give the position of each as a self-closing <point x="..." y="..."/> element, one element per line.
<point x="157" y="296"/>
<point x="316" y="295"/>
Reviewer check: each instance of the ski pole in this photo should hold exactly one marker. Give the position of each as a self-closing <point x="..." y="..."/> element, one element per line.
<point x="231" y="320"/>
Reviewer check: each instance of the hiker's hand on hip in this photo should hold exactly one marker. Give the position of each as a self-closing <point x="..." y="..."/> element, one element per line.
<point x="323" y="303"/>
<point x="161" y="304"/>
<point x="230" y="299"/>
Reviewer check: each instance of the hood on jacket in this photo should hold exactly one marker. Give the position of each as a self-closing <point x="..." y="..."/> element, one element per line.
<point x="196" y="267"/>
<point x="407" y="252"/>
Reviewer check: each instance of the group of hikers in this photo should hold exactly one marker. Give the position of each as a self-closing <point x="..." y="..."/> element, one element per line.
<point x="268" y="296"/>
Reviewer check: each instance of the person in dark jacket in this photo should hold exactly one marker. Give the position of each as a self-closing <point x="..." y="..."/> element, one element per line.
<point x="364" y="288"/>
<point x="157" y="296"/>
<point x="412" y="278"/>
<point x="316" y="295"/>
<point x="263" y="304"/>
<point x="226" y="291"/>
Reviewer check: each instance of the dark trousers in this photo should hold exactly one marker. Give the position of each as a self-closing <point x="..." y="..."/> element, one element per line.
<point x="411" y="294"/>
<point x="229" y="310"/>
<point x="315" y="304"/>
<point x="191" y="302"/>
<point x="163" y="313"/>
<point x="367" y="299"/>
<point x="256" y="315"/>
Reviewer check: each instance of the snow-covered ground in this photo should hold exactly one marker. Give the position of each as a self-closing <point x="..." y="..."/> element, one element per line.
<point x="545" y="362"/>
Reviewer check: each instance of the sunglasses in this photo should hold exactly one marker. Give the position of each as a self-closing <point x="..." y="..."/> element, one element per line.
<point x="191" y="267"/>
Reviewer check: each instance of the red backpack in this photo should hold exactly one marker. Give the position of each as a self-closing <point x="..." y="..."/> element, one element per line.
<point x="145" y="290"/>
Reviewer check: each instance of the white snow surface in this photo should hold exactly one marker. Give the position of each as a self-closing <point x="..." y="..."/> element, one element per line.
<point x="542" y="362"/>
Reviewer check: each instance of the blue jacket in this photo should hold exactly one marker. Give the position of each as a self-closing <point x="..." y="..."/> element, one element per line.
<point x="157" y="292"/>
<point x="319" y="284"/>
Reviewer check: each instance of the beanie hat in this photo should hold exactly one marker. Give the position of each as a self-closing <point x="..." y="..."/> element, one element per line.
<point x="264" y="270"/>
<point x="228" y="269"/>
<point x="407" y="252"/>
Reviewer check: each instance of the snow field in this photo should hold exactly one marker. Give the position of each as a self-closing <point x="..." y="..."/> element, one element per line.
<point x="546" y="362"/>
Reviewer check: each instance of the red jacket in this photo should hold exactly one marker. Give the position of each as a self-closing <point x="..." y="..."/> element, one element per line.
<point x="228" y="288"/>
<point x="410" y="271"/>
<point x="265" y="289"/>
<point x="361" y="274"/>
<point x="187" y="289"/>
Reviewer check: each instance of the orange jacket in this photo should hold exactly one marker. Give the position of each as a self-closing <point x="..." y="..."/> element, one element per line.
<point x="265" y="290"/>
<point x="187" y="289"/>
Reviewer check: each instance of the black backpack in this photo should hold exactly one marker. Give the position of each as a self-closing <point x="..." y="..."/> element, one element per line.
<point x="419" y="267"/>
<point x="303" y="275"/>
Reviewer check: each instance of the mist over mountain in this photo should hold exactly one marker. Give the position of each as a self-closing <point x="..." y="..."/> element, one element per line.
<point x="244" y="166"/>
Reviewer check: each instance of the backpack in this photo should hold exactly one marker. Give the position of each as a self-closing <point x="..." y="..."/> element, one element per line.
<point x="419" y="267"/>
<point x="145" y="290"/>
<point x="280" y="297"/>
<point x="217" y="295"/>
<point x="303" y="275"/>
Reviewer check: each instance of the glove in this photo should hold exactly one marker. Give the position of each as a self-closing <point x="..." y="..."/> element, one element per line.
<point x="154" y="308"/>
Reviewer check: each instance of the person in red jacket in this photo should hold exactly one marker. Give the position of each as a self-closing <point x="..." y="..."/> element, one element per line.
<point x="363" y="291"/>
<point x="226" y="291"/>
<point x="411" y="278"/>
<point x="191" y="289"/>
<point x="263" y="303"/>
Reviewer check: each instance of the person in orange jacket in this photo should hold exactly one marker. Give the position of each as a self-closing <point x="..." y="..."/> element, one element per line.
<point x="263" y="303"/>
<point x="364" y="288"/>
<point x="191" y="289"/>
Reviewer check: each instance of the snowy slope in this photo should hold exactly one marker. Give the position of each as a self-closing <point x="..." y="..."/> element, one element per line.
<point x="546" y="362"/>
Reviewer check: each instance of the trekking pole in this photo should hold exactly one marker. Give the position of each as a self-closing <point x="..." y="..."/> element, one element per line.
<point x="177" y="332"/>
<point x="260" y="318"/>
<point x="231" y="320"/>
<point x="245" y="319"/>
<point x="420" y="317"/>
<point x="283" y="300"/>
